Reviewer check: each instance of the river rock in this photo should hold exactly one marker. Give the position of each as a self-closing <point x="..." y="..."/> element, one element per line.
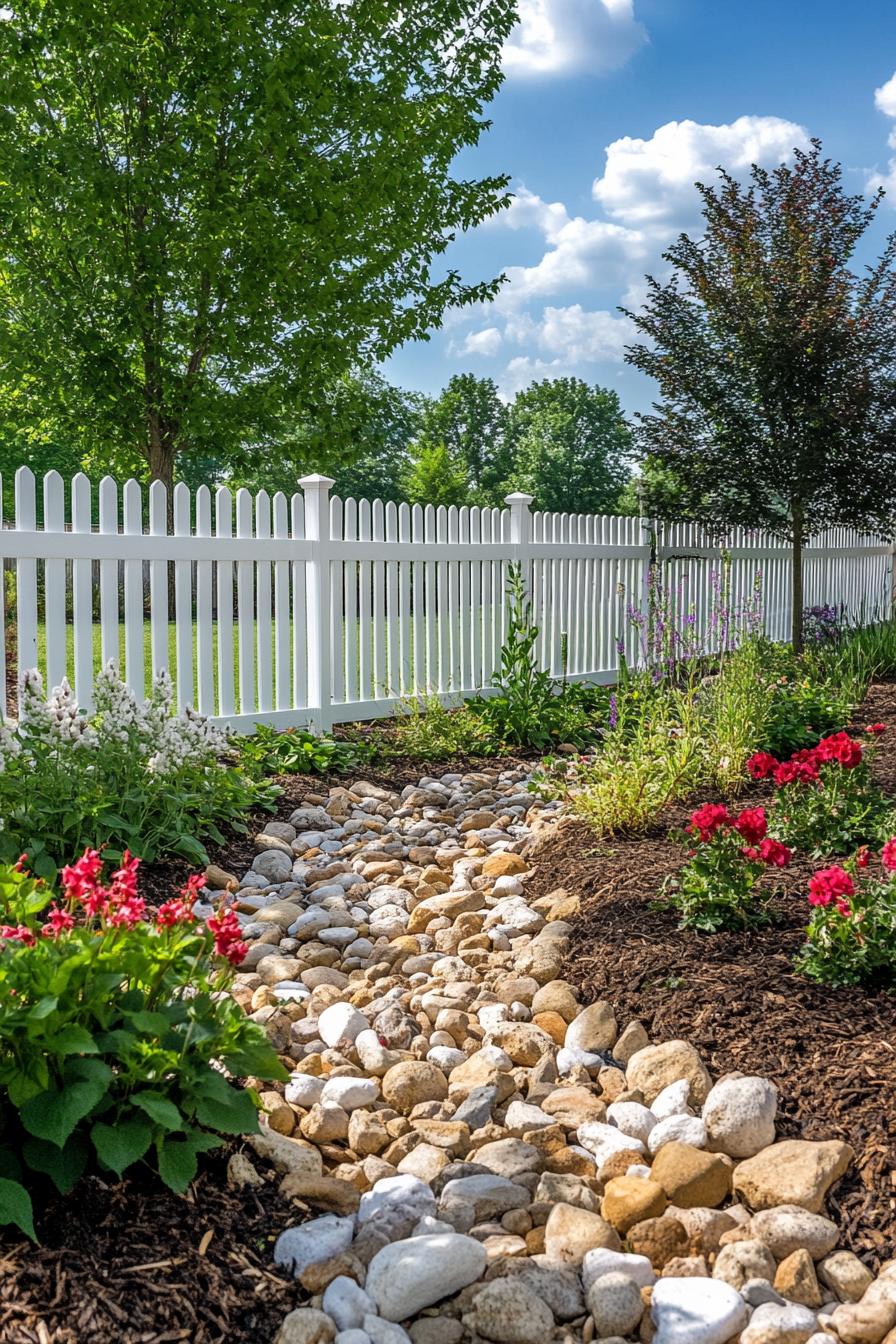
<point x="696" y="1311"/>
<point x="407" y="1276"/>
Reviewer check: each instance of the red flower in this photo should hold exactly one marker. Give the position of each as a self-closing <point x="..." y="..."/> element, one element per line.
<point x="761" y="765"/>
<point x="888" y="855"/>
<point x="708" y="819"/>
<point x="58" y="921"/>
<point x="20" y="934"/>
<point x="80" y="881"/>
<point x="849" y="754"/>
<point x="843" y="907"/>
<point x="750" y="854"/>
<point x="774" y="853"/>
<point x="227" y="933"/>
<point x="752" y="825"/>
<point x="862" y="857"/>
<point x="174" y="912"/>
<point x="829" y="884"/>
<point x="876" y="728"/>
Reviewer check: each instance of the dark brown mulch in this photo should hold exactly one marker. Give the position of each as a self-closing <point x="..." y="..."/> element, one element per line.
<point x="832" y="1053"/>
<point x="139" y="1265"/>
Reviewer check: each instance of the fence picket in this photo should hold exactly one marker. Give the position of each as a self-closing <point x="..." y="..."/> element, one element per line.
<point x="158" y="582"/>
<point x="183" y="602"/>
<point x="205" y="675"/>
<point x="224" y="594"/>
<point x="82" y="598"/>
<point x="54" y="582"/>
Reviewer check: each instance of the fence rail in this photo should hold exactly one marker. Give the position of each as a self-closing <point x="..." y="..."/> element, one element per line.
<point x="316" y="610"/>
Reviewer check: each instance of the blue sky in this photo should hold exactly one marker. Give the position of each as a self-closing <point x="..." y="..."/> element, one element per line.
<point x="610" y="110"/>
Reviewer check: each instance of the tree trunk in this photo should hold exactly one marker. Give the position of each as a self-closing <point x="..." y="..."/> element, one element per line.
<point x="798" y="537"/>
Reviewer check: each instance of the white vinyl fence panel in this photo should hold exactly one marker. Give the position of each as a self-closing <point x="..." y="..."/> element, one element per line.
<point x="316" y="610"/>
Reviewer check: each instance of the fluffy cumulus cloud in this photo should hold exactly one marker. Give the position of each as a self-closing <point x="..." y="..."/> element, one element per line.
<point x="646" y="197"/>
<point x="565" y="37"/>
<point x="885" y="101"/>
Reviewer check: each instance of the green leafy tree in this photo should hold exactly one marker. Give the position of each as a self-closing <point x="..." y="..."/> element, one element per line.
<point x="470" y="419"/>
<point x="571" y="446"/>
<point x="212" y="209"/>
<point x="435" y="477"/>
<point x="776" y="362"/>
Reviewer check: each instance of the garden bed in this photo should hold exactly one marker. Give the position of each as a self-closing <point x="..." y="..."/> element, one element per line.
<point x="736" y="997"/>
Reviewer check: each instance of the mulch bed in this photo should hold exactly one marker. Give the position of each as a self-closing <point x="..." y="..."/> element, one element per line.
<point x="138" y="1265"/>
<point x="832" y="1053"/>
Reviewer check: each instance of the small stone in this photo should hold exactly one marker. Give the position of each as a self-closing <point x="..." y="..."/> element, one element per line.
<point x="632" y="1039"/>
<point x="436" y="1330"/>
<point x="305" y="1326"/>
<point x="863" y="1322"/>
<point x="407" y="1276"/>
<point x="656" y="1066"/>
<point x="773" y="1324"/>
<point x="601" y="1261"/>
<point x="346" y="1303"/>
<point x="845" y="1275"/>
<point x="632" y="1118"/>
<point x="614" y="1301"/>
<point x="406" y="1196"/>
<point x="696" y="1311"/>
<point x="688" y="1129"/>
<point x="741" y="1261"/>
<point x="571" y="1231"/>
<point x="319" y="1239"/>
<point x="594" y="1029"/>
<point x="504" y="865"/>
<point x="508" y="1312"/>
<point x="690" y="1177"/>
<point x="686" y="1267"/>
<point x="795" y="1171"/>
<point x="241" y="1173"/>
<point x="739" y="1115"/>
<point x="340" y="1022"/>
<point x="410" y="1083"/>
<point x="658" y="1239"/>
<point x="630" y="1199"/>
<point x="322" y="1192"/>
<point x="790" y="1228"/>
<point x="795" y="1278"/>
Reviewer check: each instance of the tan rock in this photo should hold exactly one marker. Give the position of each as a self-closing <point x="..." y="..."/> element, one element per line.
<point x="795" y="1278"/>
<point x="744" y="1260"/>
<point x="660" y="1239"/>
<point x="686" y="1267"/>
<point x="630" y="1199"/>
<point x="366" y="1133"/>
<point x="557" y="996"/>
<point x="504" y="865"/>
<point x="863" y="1322"/>
<point x="449" y="905"/>
<point x="219" y="879"/>
<point x="408" y="1084"/>
<point x="522" y="1041"/>
<point x="322" y="1192"/>
<point x="656" y="1066"/>
<point x="632" y="1039"/>
<point x="690" y="1177"/>
<point x="795" y="1171"/>
<point x="594" y="1029"/>
<point x="324" y="1124"/>
<point x="551" y="1023"/>
<point x="280" y="1115"/>
<point x="845" y="1275"/>
<point x="480" y="1071"/>
<point x="574" y="1106"/>
<point x="570" y="1232"/>
<point x="286" y="1154"/>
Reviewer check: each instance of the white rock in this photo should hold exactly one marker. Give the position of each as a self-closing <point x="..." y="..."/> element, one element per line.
<point x="773" y="1324"/>
<point x="632" y="1118"/>
<point x="319" y="1239"/>
<point x="350" y="1093"/>
<point x="407" y="1276"/>
<point x="605" y="1140"/>
<point x="688" y="1129"/>
<point x="346" y="1303"/>
<point x="599" y="1261"/>
<point x="696" y="1311"/>
<point x="673" y="1100"/>
<point x="522" y="1116"/>
<point x="385" y="1332"/>
<point x="341" y="1021"/>
<point x="303" y="1090"/>
<point x="739" y="1114"/>
<point x="568" y="1058"/>
<point x="447" y="1057"/>
<point x="407" y="1193"/>
<point x="352" y="1337"/>
<point x="375" y="1057"/>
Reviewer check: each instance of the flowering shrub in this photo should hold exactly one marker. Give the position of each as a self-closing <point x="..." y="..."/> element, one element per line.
<point x="825" y="801"/>
<point x="728" y="855"/>
<point x="851" y="936"/>
<point x="132" y="775"/>
<point x="823" y="624"/>
<point x="116" y="1042"/>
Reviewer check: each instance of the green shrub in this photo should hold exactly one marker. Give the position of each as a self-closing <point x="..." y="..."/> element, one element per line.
<point x="851" y="936"/>
<point x="426" y="728"/>
<point x="295" y="751"/>
<point x="727" y="856"/>
<point x="114" y="1032"/>
<point x="131" y="775"/>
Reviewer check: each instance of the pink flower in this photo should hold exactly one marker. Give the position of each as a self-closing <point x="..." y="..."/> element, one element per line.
<point x="774" y="853"/>
<point x="58" y="921"/>
<point x="761" y="765"/>
<point x="80" y="880"/>
<point x="227" y="933"/>
<point x="752" y="824"/>
<point x="829" y="884"/>
<point x="174" y="912"/>
<point x="708" y="819"/>
<point x="876" y="728"/>
<point x="20" y="934"/>
<point x="888" y="855"/>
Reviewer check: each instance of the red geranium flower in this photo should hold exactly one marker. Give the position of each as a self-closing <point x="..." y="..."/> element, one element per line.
<point x="774" y="853"/>
<point x="752" y="825"/>
<point x="888" y="855"/>
<point x="829" y="884"/>
<point x="761" y="765"/>
<point x="876" y="728"/>
<point x="708" y="819"/>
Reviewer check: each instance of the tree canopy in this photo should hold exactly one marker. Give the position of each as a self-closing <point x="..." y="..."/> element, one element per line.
<point x="471" y="421"/>
<point x="213" y="209"/>
<point x="775" y="360"/>
<point x="570" y="446"/>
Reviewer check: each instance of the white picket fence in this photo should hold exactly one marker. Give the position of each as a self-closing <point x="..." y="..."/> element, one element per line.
<point x="316" y="610"/>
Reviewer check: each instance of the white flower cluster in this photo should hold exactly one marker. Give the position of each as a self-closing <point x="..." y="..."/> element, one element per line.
<point x="150" y="730"/>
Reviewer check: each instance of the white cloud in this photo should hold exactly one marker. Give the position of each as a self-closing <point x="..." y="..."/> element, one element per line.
<point x="563" y="37"/>
<point x="486" y="342"/>
<point x="885" y="97"/>
<point x="528" y="211"/>
<point x="885" y="101"/>
<point x="651" y="182"/>
<point x="581" y="337"/>
<point x="582" y="255"/>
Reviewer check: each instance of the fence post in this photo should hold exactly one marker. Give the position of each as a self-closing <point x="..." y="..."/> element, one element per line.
<point x="650" y="571"/>
<point x="521" y="534"/>
<point x="316" y="490"/>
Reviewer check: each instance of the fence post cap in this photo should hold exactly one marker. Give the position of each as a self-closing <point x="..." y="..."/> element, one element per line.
<point x="518" y="497"/>
<point x="322" y="482"/>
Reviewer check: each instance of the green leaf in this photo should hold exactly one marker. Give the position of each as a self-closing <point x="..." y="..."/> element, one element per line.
<point x="258" y="1058"/>
<point x="72" y="1040"/>
<point x="224" y="1107"/>
<point x="118" y="1146"/>
<point x="149" y="1024"/>
<point x="178" y="1158"/>
<point x="65" y="1166"/>
<point x="15" y="1207"/>
<point x="43" y="1008"/>
<point x="159" y="1109"/>
<point x="54" y="1113"/>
